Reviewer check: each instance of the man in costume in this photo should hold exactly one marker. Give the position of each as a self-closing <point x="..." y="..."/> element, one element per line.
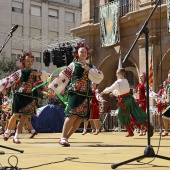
<point x="127" y="104"/>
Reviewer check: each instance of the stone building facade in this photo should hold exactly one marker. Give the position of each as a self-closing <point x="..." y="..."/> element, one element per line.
<point x="133" y="14"/>
<point x="40" y="23"/>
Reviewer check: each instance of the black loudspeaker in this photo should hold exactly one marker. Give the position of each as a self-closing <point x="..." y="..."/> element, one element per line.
<point x="61" y="56"/>
<point x="57" y="57"/>
<point x="46" y="58"/>
<point x="69" y="55"/>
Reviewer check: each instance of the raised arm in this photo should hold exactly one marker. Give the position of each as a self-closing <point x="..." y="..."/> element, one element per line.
<point x="95" y="75"/>
<point x="61" y="81"/>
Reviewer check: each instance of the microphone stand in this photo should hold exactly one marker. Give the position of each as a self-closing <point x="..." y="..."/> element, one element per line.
<point x="148" y="152"/>
<point x="6" y="40"/>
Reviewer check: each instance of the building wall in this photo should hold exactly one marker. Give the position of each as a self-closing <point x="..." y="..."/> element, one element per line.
<point x="43" y="22"/>
<point x="106" y="58"/>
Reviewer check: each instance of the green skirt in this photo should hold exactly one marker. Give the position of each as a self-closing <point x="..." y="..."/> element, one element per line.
<point x="78" y="105"/>
<point x="23" y="104"/>
<point x="131" y="108"/>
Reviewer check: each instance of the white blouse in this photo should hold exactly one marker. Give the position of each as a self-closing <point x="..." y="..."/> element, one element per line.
<point x="121" y="86"/>
<point x="61" y="81"/>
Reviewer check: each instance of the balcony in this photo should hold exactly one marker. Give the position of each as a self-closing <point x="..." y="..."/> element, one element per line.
<point x="126" y="6"/>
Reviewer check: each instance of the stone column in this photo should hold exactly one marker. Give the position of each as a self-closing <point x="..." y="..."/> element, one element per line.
<point x="86" y="12"/>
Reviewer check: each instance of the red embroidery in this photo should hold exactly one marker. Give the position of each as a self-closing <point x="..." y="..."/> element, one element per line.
<point x="63" y="80"/>
<point x="68" y="73"/>
<point x="55" y="85"/>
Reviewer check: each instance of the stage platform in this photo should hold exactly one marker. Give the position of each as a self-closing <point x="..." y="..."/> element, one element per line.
<point x="88" y="152"/>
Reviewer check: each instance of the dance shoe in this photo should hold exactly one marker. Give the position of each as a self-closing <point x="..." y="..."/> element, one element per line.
<point x="64" y="142"/>
<point x="84" y="133"/>
<point x="96" y="133"/>
<point x="16" y="141"/>
<point x="142" y="133"/>
<point x="129" y="131"/>
<point x="33" y="134"/>
<point x="164" y="134"/>
<point x="6" y="136"/>
<point x="129" y="135"/>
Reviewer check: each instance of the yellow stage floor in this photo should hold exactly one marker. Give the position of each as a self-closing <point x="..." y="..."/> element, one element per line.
<point x="88" y="152"/>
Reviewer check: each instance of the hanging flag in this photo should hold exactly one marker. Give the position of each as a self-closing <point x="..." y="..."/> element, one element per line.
<point x="151" y="70"/>
<point x="109" y="27"/>
<point x="168" y="15"/>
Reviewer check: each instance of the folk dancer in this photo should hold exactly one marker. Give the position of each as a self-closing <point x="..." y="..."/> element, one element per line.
<point x="78" y="76"/>
<point x="127" y="104"/>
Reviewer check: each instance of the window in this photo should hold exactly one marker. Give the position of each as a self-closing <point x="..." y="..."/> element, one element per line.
<point x="37" y="56"/>
<point x="16" y="54"/>
<point x="35" y="32"/>
<point x="36" y="10"/>
<point x="69" y="17"/>
<point x="53" y="13"/>
<point x="17" y="7"/>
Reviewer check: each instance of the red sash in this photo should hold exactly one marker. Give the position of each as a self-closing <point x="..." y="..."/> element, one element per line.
<point x="121" y="104"/>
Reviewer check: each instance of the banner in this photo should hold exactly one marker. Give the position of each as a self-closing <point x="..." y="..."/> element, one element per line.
<point x="109" y="25"/>
<point x="168" y="15"/>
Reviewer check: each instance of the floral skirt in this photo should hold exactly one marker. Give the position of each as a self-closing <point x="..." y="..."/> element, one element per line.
<point x="23" y="104"/>
<point x="78" y="105"/>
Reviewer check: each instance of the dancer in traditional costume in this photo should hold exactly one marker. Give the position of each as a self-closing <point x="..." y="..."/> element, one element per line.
<point x="94" y="113"/>
<point x="78" y="76"/>
<point x="6" y="111"/>
<point x="23" y="98"/>
<point x="161" y="103"/>
<point x="127" y="104"/>
<point x="166" y="112"/>
<point x="140" y="98"/>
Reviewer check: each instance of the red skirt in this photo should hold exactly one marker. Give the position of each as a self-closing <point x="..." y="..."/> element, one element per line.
<point x="94" y="114"/>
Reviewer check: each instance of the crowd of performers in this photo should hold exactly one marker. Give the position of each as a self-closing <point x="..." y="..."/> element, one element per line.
<point x="78" y="82"/>
<point x="162" y="102"/>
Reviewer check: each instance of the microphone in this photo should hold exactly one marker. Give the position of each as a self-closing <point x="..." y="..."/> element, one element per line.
<point x="13" y="29"/>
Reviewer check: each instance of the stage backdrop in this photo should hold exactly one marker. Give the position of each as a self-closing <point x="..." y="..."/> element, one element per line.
<point x="109" y="25"/>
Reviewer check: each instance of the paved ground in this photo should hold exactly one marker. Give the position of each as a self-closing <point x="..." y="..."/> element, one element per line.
<point x="87" y="152"/>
